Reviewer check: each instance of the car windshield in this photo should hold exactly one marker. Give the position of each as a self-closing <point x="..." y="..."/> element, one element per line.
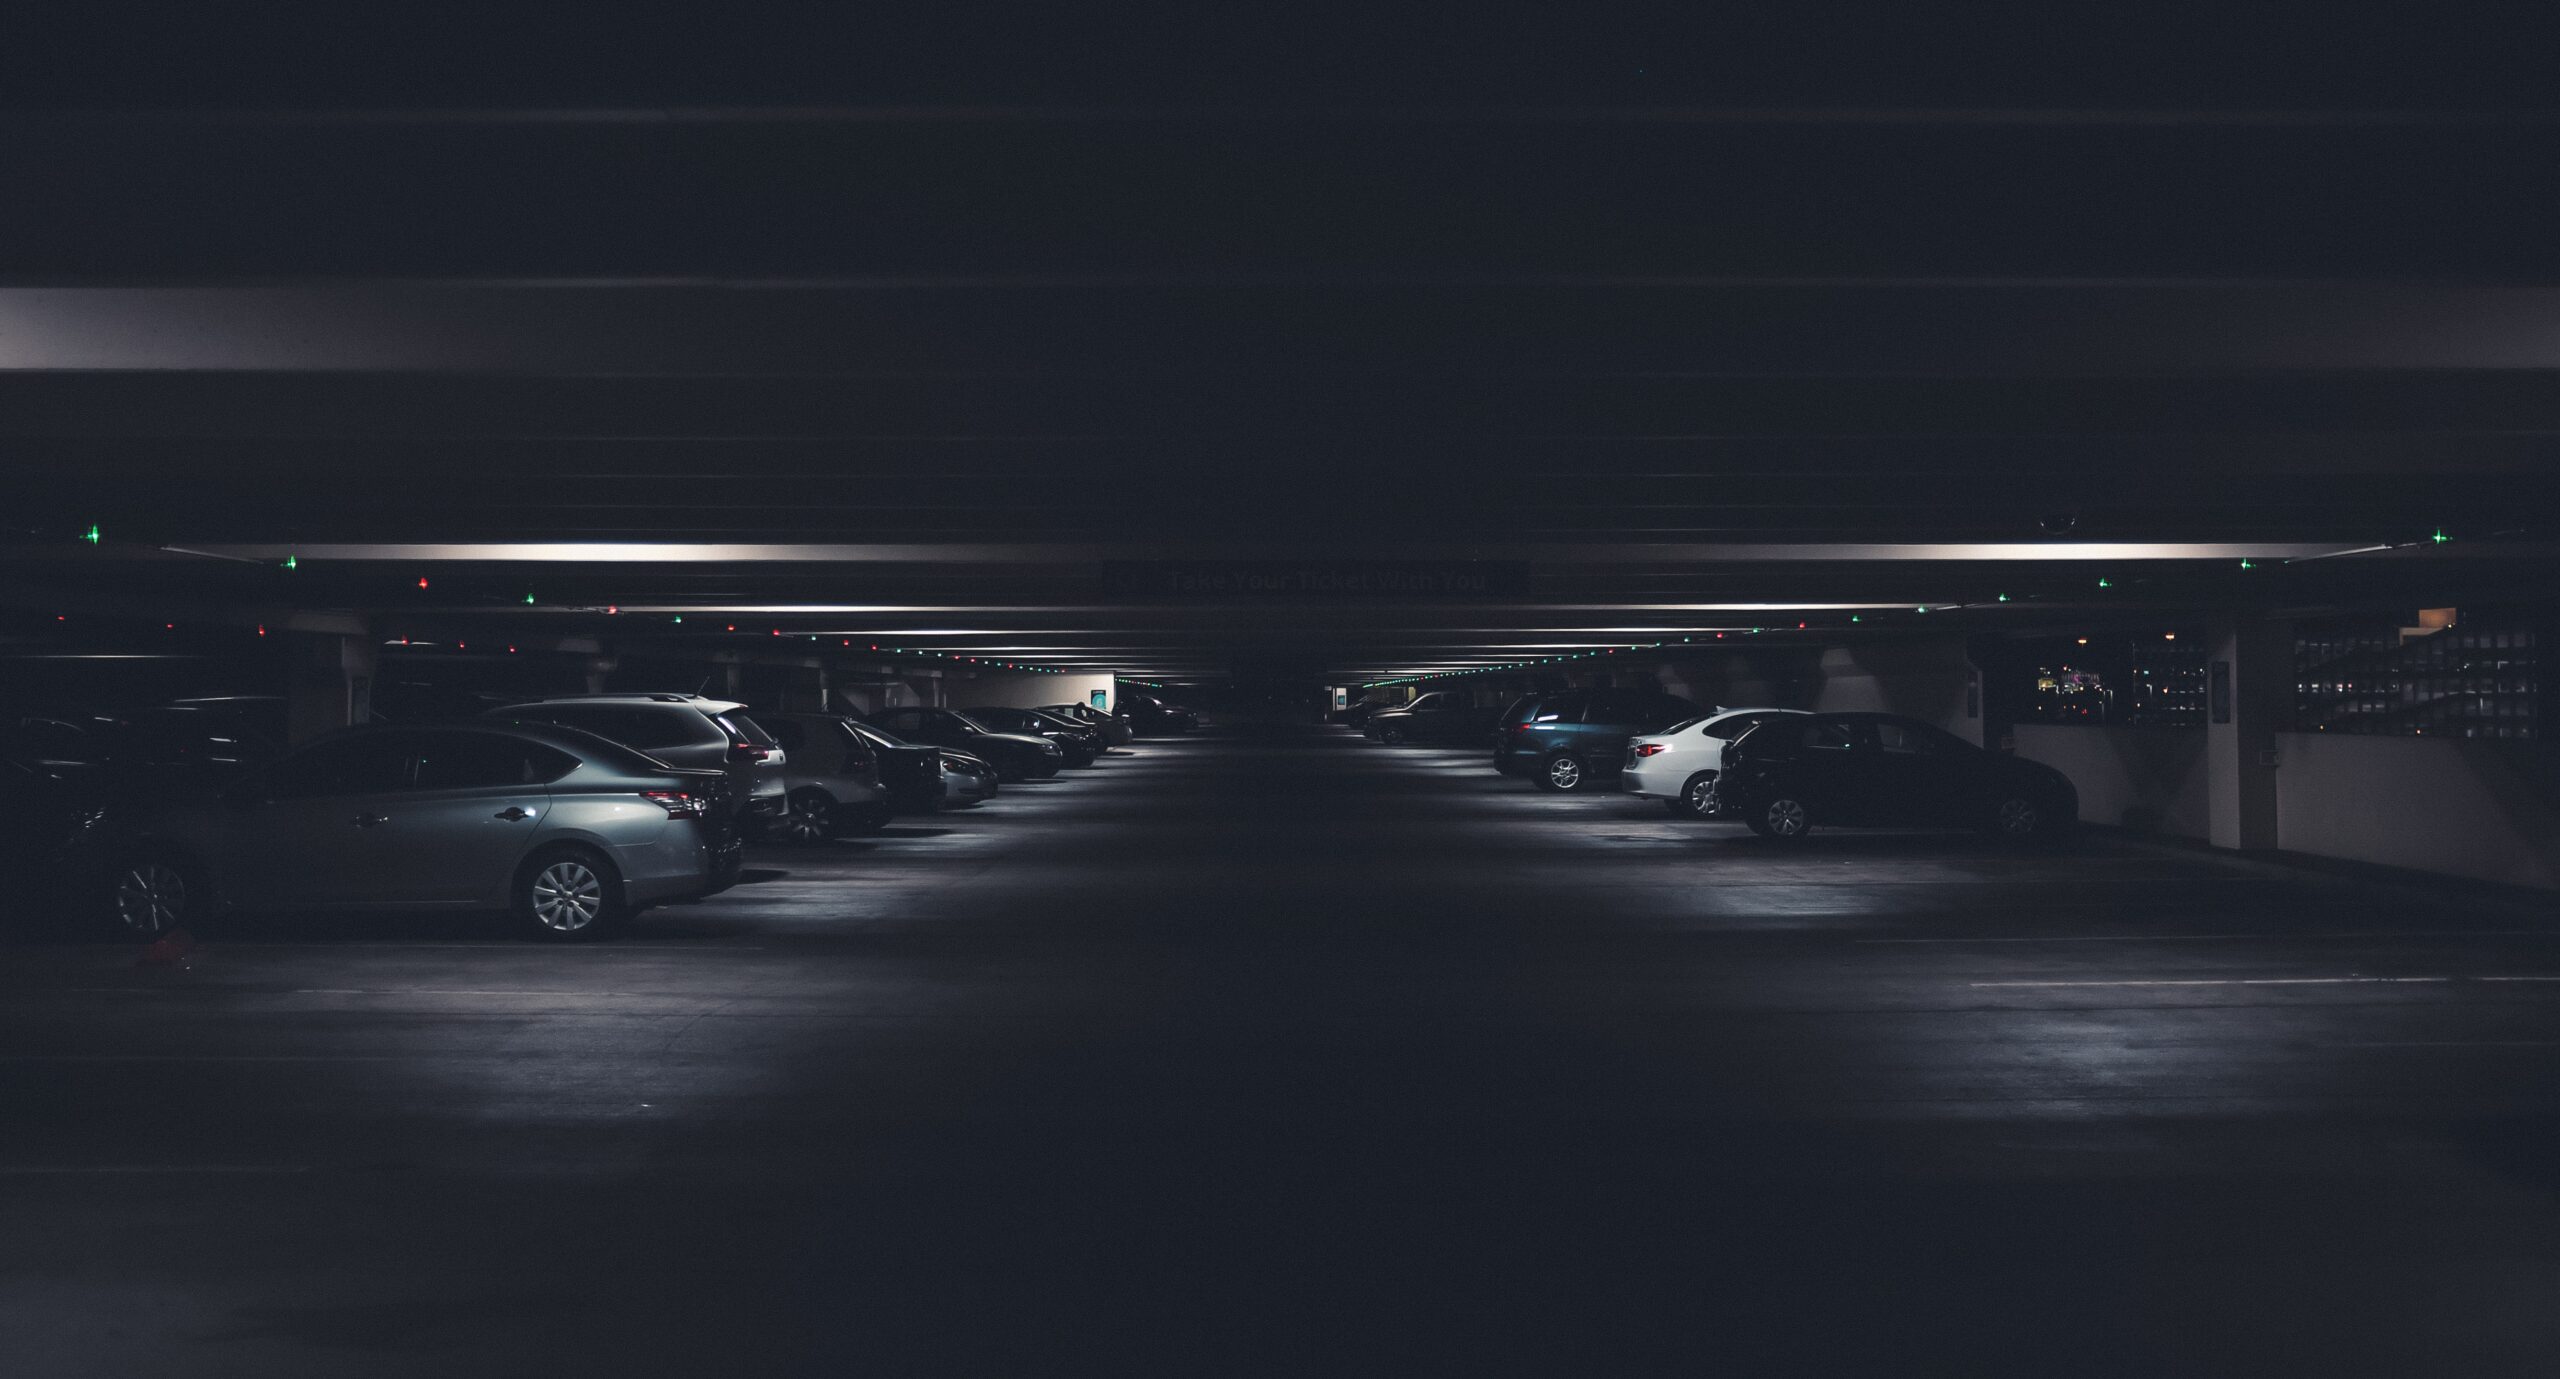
<point x="967" y="721"/>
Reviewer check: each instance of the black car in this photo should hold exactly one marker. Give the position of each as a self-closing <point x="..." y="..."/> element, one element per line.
<point x="1152" y="717"/>
<point x="1789" y="774"/>
<point x="1082" y="744"/>
<point x="911" y="771"/>
<point x="1566" y="739"/>
<point x="1440" y="717"/>
<point x="1015" y="756"/>
<point x="1358" y="715"/>
<point x="53" y="854"/>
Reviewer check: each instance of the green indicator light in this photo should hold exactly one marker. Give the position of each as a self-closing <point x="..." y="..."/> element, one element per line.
<point x="1852" y="617"/>
<point x="2004" y="598"/>
<point x="528" y="598"/>
<point x="2440" y="538"/>
<point x="2106" y="584"/>
<point x="2248" y="565"/>
<point x="91" y="535"/>
<point x="293" y="562"/>
<point x="679" y="617"/>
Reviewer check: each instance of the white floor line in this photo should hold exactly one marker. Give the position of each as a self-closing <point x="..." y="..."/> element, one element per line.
<point x="2204" y="938"/>
<point x="2270" y="981"/>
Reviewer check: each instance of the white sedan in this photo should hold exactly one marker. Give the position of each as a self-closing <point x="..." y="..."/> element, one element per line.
<point x="1678" y="765"/>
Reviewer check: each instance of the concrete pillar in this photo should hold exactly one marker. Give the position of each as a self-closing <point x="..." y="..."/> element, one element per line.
<point x="329" y="685"/>
<point x="2248" y="699"/>
<point x="600" y="672"/>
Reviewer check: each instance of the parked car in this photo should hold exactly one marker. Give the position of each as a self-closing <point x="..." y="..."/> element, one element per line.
<point x="1115" y="730"/>
<point x="967" y="781"/>
<point x="1566" y="739"/>
<point x="831" y="781"/>
<point x="1788" y="775"/>
<point x="569" y="832"/>
<point x="1678" y="766"/>
<point x="190" y="742"/>
<point x="1357" y="714"/>
<point x="1152" y="717"/>
<point x="681" y="730"/>
<point x="52" y="844"/>
<point x="1082" y="745"/>
<point x="1440" y="717"/>
<point x="1015" y="756"/>
<point x="913" y="771"/>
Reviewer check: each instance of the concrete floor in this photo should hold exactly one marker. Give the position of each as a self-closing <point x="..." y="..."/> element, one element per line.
<point x="1283" y="1052"/>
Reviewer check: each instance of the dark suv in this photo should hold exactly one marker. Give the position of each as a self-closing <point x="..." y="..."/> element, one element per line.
<point x="1567" y="739"/>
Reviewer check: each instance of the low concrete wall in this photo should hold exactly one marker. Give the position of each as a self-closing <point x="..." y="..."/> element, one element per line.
<point x="2487" y="810"/>
<point x="2151" y="780"/>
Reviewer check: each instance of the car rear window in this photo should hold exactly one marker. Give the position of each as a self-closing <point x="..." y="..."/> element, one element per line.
<point x="742" y="728"/>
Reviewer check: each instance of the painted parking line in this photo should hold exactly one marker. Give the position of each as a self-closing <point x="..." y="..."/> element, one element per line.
<point x="2269" y="981"/>
<point x="2218" y="938"/>
<point x="61" y="1170"/>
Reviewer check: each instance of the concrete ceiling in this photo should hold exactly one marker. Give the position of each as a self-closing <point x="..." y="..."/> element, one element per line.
<point x="1002" y="364"/>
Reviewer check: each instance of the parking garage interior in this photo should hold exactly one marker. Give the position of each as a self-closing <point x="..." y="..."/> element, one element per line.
<point x="2174" y="426"/>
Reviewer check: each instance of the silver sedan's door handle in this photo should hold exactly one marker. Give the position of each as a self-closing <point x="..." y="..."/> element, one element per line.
<point x="369" y="820"/>
<point x="512" y="813"/>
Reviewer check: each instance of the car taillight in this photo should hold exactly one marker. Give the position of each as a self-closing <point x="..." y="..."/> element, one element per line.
<point x="1522" y="727"/>
<point x="1646" y="749"/>
<point x="747" y="751"/>
<point x="679" y="804"/>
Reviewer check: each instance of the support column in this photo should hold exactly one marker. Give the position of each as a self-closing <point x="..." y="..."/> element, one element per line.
<point x="330" y="684"/>
<point x="2248" y="698"/>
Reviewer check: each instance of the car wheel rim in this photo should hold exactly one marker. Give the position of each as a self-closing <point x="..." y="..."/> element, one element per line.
<point x="2017" y="817"/>
<point x="1701" y="794"/>
<point x="151" y="898"/>
<point x="1786" y="818"/>
<point x="806" y="822"/>
<point x="567" y="897"/>
<point x="1565" y="772"/>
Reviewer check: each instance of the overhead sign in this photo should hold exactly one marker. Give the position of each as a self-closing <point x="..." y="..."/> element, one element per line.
<point x="1316" y="579"/>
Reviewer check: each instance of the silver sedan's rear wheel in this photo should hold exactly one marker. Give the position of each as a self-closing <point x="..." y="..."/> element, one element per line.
<point x="567" y="896"/>
<point x="1698" y="797"/>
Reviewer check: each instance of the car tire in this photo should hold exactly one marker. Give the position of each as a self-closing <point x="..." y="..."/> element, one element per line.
<point x="2024" y="821"/>
<point x="153" y="894"/>
<point x="808" y="818"/>
<point x="1564" y="773"/>
<point x="1782" y="817"/>
<point x="567" y="894"/>
<point x="1393" y="737"/>
<point x="864" y="819"/>
<point x="1697" y="797"/>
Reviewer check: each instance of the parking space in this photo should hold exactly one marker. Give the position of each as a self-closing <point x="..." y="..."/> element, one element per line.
<point x="1237" y="1049"/>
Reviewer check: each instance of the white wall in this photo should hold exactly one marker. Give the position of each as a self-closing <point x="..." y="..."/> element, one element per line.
<point x="2148" y="779"/>
<point x="1014" y="690"/>
<point x="2434" y="803"/>
<point x="2477" y="809"/>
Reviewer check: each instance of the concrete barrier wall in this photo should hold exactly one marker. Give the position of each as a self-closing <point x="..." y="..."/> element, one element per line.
<point x="2486" y="810"/>
<point x="2151" y="780"/>
<point x="2479" y="809"/>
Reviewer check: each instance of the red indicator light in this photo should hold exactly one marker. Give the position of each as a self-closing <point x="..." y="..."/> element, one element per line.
<point x="422" y="581"/>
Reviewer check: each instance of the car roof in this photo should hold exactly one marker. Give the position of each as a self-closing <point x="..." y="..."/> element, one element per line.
<point x="690" y="701"/>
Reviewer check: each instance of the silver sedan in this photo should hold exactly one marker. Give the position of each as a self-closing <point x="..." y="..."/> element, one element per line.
<point x="570" y="833"/>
